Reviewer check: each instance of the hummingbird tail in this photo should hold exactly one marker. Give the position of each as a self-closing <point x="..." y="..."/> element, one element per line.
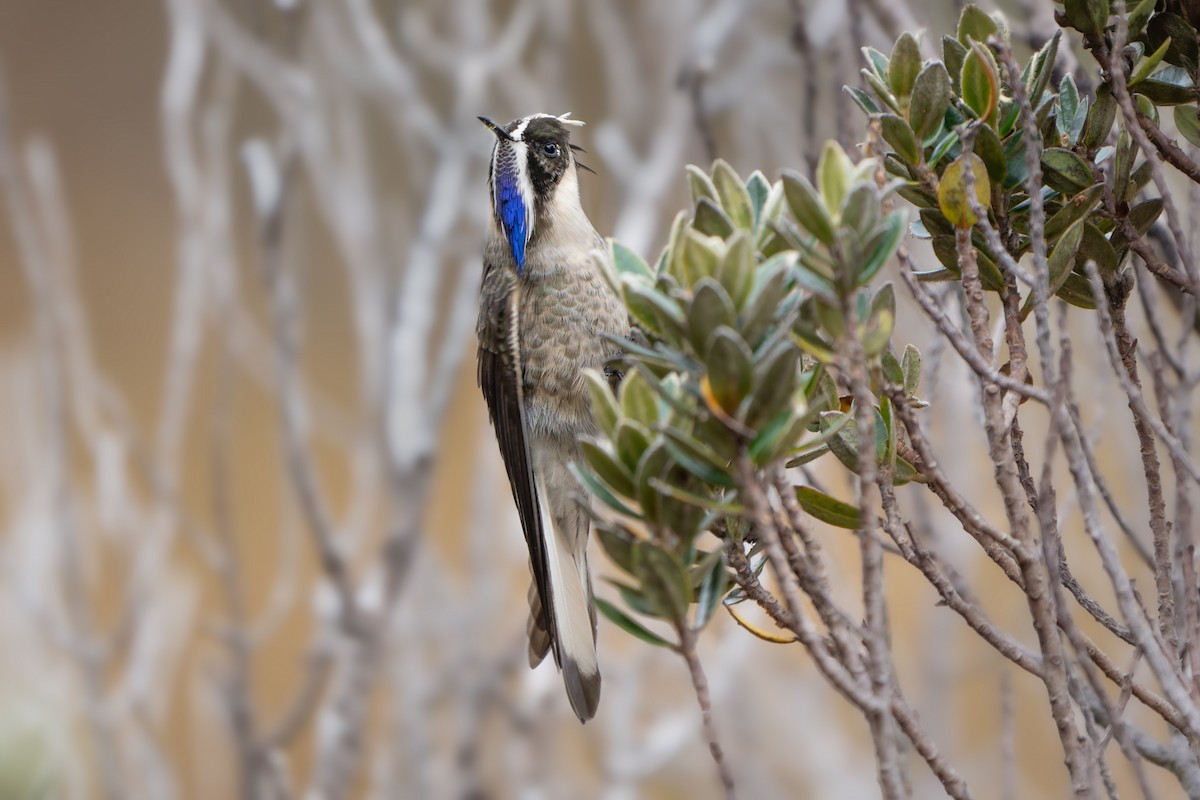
<point x="572" y="615"/>
<point x="538" y="627"/>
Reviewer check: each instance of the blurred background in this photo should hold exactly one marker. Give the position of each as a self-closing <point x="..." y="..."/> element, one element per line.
<point x="238" y="273"/>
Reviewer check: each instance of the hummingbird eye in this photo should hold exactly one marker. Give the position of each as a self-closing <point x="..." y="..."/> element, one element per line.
<point x="551" y="149"/>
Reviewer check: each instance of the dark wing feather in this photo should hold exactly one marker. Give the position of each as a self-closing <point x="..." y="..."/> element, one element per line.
<point x="499" y="374"/>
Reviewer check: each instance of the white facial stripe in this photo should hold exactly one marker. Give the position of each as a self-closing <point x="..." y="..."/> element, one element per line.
<point x="526" y="187"/>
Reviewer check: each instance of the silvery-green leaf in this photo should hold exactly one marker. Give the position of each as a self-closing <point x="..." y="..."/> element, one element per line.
<point x="700" y="185"/>
<point x="822" y="507"/>
<point x="834" y="170"/>
<point x="663" y="580"/>
<point x="604" y="406"/>
<point x="910" y="365"/>
<point x="630" y="441"/>
<point x="900" y="136"/>
<point x="980" y="82"/>
<point x="605" y="465"/>
<point x="711" y="307"/>
<point x="1065" y="171"/>
<point x="729" y="365"/>
<point x="1087" y="16"/>
<point x="974" y="23"/>
<point x="1187" y="120"/>
<point x="737" y="268"/>
<point x="758" y="187"/>
<point x="931" y="97"/>
<point x="807" y="206"/>
<point x="734" y="197"/>
<point x="1099" y="119"/>
<point x="626" y="623"/>
<point x="628" y="262"/>
<point x="904" y="65"/>
<point x="637" y="399"/>
<point x="711" y="220"/>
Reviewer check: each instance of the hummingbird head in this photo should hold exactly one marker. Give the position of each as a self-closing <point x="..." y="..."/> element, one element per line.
<point x="531" y="161"/>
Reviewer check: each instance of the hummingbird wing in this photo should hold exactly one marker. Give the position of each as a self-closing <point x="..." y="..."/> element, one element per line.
<point x="499" y="375"/>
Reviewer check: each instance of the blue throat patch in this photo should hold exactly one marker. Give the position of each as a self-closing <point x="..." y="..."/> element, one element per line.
<point x="510" y="206"/>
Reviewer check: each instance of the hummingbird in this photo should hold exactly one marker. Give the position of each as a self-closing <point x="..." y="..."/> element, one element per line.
<point x="544" y="313"/>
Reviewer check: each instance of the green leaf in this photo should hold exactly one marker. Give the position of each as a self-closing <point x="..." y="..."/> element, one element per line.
<point x="900" y="136"/>
<point x="953" y="55"/>
<point x="862" y="100"/>
<point x="1039" y="72"/>
<point x="736" y="271"/>
<point x="1144" y="214"/>
<point x="759" y="189"/>
<point x="1187" y="120"/>
<point x="952" y="191"/>
<point x="1059" y="262"/>
<point x="931" y="97"/>
<point x="910" y="365"/>
<point x="1073" y="210"/>
<point x="881" y="90"/>
<point x="663" y="580"/>
<point x="861" y="208"/>
<point x="631" y="440"/>
<point x="637" y="399"/>
<point x="600" y="490"/>
<point x="1138" y="15"/>
<point x="834" y="169"/>
<point x="883" y="246"/>
<point x="1170" y="86"/>
<point x="1165" y="25"/>
<point x="700" y="185"/>
<point x="711" y="307"/>
<point x="618" y="545"/>
<point x="1068" y="105"/>
<point x="807" y="206"/>
<point x="711" y="220"/>
<point x="904" y="65"/>
<point x="604" y="406"/>
<point x="876" y="61"/>
<point x="734" y="197"/>
<point x="980" y="82"/>
<point x="1087" y="16"/>
<point x="845" y="444"/>
<point x="1095" y="247"/>
<point x="629" y="625"/>
<point x="711" y="580"/>
<point x="1077" y="291"/>
<point x="655" y="461"/>
<point x="700" y="257"/>
<point x="656" y="313"/>
<point x="774" y="383"/>
<point x="628" y="262"/>
<point x="877" y="333"/>
<point x="1148" y="64"/>
<point x="828" y="510"/>
<point x="763" y="303"/>
<point x="697" y="458"/>
<point x="729" y="363"/>
<point x="974" y="23"/>
<point x="1065" y="171"/>
<point x="989" y="148"/>
<point x="605" y="465"/>
<point x="1099" y="119"/>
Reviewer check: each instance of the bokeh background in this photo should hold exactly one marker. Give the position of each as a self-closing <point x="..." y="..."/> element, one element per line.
<point x="187" y="184"/>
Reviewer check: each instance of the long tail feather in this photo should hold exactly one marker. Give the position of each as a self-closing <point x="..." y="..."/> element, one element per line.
<point x="565" y="530"/>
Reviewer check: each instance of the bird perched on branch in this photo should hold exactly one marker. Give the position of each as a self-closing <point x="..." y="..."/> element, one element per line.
<point x="543" y="315"/>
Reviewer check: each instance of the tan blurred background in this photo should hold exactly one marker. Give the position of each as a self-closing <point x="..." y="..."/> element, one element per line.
<point x="172" y="460"/>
